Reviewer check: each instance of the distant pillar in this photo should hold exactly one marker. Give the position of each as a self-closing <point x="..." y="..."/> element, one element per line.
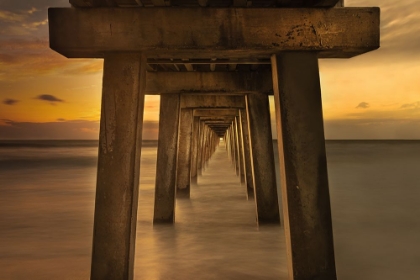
<point x="232" y="147"/>
<point x="194" y="150"/>
<point x="237" y="150"/>
<point x="303" y="166"/>
<point x="241" y="157"/>
<point x="166" y="165"/>
<point x="247" y="154"/>
<point x="200" y="149"/>
<point x="263" y="159"/>
<point x="184" y="153"/>
<point x="120" y="137"/>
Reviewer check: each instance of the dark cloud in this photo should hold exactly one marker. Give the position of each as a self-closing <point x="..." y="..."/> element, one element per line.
<point x="414" y="105"/>
<point x="61" y="119"/>
<point x="9" y="101"/>
<point x="363" y="105"/>
<point x="49" y="98"/>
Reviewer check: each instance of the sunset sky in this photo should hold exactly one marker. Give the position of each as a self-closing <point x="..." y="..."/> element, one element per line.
<point x="44" y="95"/>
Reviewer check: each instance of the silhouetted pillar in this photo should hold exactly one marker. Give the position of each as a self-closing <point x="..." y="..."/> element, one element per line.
<point x="120" y="137"/>
<point x="303" y="166"/>
<point x="194" y="148"/>
<point x="166" y="165"/>
<point x="242" y="169"/>
<point x="184" y="153"/>
<point x="247" y="155"/>
<point x="263" y="159"/>
<point x="200" y="149"/>
<point x="232" y="147"/>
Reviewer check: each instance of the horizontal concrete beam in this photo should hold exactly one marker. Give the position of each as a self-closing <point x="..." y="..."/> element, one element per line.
<point x="209" y="82"/>
<point x="212" y="101"/>
<point x="213" y="33"/>
<point x="215" y="113"/>
<point x="244" y="3"/>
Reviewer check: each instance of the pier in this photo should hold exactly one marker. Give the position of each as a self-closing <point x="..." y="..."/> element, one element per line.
<point x="214" y="63"/>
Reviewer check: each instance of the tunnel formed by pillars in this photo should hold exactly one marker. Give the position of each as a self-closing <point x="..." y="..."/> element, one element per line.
<point x="214" y="63"/>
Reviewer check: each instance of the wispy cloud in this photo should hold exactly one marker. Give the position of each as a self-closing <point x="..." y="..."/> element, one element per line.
<point x="9" y="101"/>
<point x="49" y="98"/>
<point x="363" y="105"/>
<point x="414" y="105"/>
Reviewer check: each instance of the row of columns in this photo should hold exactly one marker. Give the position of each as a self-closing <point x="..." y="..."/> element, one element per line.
<point x="189" y="136"/>
<point x="303" y="169"/>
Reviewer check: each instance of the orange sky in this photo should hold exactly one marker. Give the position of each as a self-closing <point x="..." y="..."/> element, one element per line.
<point x="46" y="96"/>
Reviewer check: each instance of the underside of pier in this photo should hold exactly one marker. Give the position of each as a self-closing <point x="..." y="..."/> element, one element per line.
<point x="214" y="63"/>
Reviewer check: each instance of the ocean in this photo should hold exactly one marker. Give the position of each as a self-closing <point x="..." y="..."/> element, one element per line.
<point x="47" y="191"/>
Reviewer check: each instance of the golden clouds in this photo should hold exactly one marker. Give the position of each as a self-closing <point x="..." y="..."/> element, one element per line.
<point x="23" y="59"/>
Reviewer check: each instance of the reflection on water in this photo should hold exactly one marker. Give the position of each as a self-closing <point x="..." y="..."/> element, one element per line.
<point x="46" y="217"/>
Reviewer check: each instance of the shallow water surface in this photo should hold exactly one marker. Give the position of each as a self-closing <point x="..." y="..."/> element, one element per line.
<point x="47" y="201"/>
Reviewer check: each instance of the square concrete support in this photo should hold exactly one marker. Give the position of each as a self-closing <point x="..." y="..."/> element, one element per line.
<point x="120" y="139"/>
<point x="237" y="148"/>
<point x="200" y="150"/>
<point x="263" y="159"/>
<point x="247" y="155"/>
<point x="184" y="153"/>
<point x="166" y="166"/>
<point x="194" y="146"/>
<point x="303" y="166"/>
<point x="241" y="150"/>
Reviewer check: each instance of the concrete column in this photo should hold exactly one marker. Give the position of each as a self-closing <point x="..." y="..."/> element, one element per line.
<point x="166" y="165"/>
<point x="263" y="159"/>
<point x="237" y="152"/>
<point x="247" y="154"/>
<point x="227" y="137"/>
<point x="184" y="153"/>
<point x="200" y="150"/>
<point x="303" y="166"/>
<point x="194" y="149"/>
<point x="232" y="147"/>
<point x="120" y="139"/>
<point x="242" y="169"/>
<point x="203" y="155"/>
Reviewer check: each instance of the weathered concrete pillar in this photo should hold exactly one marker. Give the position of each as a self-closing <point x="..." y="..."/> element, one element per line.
<point x="204" y="153"/>
<point x="228" y="147"/>
<point x="242" y="169"/>
<point x="120" y="139"/>
<point x="263" y="159"/>
<point x="303" y="166"/>
<point x="194" y="148"/>
<point x="200" y="150"/>
<point x="166" y="165"/>
<point x="237" y="151"/>
<point x="247" y="154"/>
<point x="184" y="153"/>
<point x="232" y="147"/>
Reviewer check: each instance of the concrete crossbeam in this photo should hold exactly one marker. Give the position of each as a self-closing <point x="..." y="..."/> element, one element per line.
<point x="215" y="113"/>
<point x="237" y="3"/>
<point x="216" y="32"/>
<point x="212" y="101"/>
<point x="209" y="82"/>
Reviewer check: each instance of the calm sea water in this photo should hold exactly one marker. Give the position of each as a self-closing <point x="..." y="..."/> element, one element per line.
<point x="46" y="215"/>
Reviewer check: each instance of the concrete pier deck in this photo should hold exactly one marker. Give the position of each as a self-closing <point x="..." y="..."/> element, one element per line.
<point x="215" y="235"/>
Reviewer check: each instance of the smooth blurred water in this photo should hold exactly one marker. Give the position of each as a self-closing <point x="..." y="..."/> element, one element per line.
<point x="47" y="199"/>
